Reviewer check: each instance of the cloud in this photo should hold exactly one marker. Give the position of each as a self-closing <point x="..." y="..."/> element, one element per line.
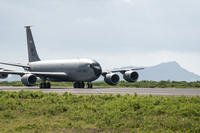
<point x="124" y="28"/>
<point x="129" y="1"/>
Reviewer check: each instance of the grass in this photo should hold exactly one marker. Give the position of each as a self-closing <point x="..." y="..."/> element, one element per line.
<point x="27" y="111"/>
<point x="140" y="84"/>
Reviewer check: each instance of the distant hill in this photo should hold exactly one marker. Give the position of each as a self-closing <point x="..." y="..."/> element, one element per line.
<point x="164" y="71"/>
<point x="167" y="71"/>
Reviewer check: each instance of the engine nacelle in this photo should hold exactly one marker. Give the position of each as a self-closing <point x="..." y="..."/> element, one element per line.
<point x="29" y="79"/>
<point x="131" y="76"/>
<point x="3" y="76"/>
<point x="111" y="78"/>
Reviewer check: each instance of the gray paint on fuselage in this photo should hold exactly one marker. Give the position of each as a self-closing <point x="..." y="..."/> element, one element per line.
<point x="76" y="69"/>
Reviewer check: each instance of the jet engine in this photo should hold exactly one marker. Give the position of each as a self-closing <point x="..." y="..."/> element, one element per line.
<point x="29" y="79"/>
<point x="3" y="76"/>
<point x="131" y="76"/>
<point x="111" y="78"/>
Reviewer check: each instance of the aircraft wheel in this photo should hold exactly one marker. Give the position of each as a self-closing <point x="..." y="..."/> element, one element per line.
<point x="48" y="85"/>
<point x="42" y="85"/>
<point x="45" y="85"/>
<point x="82" y="85"/>
<point x="89" y="85"/>
<point x="75" y="85"/>
<point x="79" y="85"/>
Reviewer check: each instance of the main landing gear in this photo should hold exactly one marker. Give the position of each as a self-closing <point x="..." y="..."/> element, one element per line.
<point x="45" y="85"/>
<point x="82" y="85"/>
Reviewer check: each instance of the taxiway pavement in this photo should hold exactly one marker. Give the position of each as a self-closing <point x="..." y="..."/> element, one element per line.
<point x="122" y="91"/>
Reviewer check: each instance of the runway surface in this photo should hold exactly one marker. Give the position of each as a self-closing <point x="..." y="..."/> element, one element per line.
<point x="123" y="91"/>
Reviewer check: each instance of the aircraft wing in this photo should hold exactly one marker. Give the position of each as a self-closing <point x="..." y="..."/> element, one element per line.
<point x="13" y="64"/>
<point x="124" y="70"/>
<point x="121" y="70"/>
<point x="38" y="74"/>
<point x="3" y="69"/>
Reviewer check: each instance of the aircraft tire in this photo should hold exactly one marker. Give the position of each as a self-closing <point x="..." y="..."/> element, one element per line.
<point x="82" y="85"/>
<point x="79" y="85"/>
<point x="42" y="85"/>
<point x="48" y="85"/>
<point x="45" y="85"/>
<point x="75" y="85"/>
<point x="89" y="85"/>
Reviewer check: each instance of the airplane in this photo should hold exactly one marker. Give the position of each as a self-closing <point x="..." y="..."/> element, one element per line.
<point x="78" y="70"/>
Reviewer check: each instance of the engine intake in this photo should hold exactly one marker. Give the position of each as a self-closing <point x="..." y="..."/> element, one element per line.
<point x="111" y="79"/>
<point x="3" y="76"/>
<point x="131" y="76"/>
<point x="29" y="79"/>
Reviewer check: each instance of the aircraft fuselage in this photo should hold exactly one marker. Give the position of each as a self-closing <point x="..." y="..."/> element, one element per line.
<point x="86" y="70"/>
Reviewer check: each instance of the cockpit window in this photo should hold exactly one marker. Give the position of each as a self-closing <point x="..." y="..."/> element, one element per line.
<point x="95" y="64"/>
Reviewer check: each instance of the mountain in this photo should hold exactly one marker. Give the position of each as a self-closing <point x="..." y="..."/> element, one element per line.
<point x="167" y="71"/>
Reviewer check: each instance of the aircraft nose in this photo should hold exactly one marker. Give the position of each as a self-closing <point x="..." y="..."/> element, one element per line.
<point x="97" y="69"/>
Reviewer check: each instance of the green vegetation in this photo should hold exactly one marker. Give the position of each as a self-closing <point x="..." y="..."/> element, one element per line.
<point x="26" y="111"/>
<point x="140" y="84"/>
<point x="153" y="84"/>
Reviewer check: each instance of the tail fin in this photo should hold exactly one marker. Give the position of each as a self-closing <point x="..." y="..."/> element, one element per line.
<point x="32" y="52"/>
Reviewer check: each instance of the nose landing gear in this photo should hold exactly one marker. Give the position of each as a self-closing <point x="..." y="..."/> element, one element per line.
<point x="79" y="85"/>
<point x="82" y="85"/>
<point x="89" y="85"/>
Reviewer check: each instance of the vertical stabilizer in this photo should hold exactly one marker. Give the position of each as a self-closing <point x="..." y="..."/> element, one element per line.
<point x="32" y="52"/>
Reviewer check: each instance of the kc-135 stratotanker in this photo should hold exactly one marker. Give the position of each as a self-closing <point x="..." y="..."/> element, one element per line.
<point x="78" y="70"/>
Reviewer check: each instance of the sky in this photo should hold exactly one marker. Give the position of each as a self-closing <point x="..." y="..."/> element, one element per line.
<point x="116" y="33"/>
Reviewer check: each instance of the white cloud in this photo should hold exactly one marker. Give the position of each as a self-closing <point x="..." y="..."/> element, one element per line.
<point x="121" y="3"/>
<point x="129" y="1"/>
<point x="115" y="32"/>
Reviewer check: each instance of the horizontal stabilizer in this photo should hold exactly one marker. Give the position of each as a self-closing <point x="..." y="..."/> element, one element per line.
<point x="39" y="74"/>
<point x="12" y="64"/>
